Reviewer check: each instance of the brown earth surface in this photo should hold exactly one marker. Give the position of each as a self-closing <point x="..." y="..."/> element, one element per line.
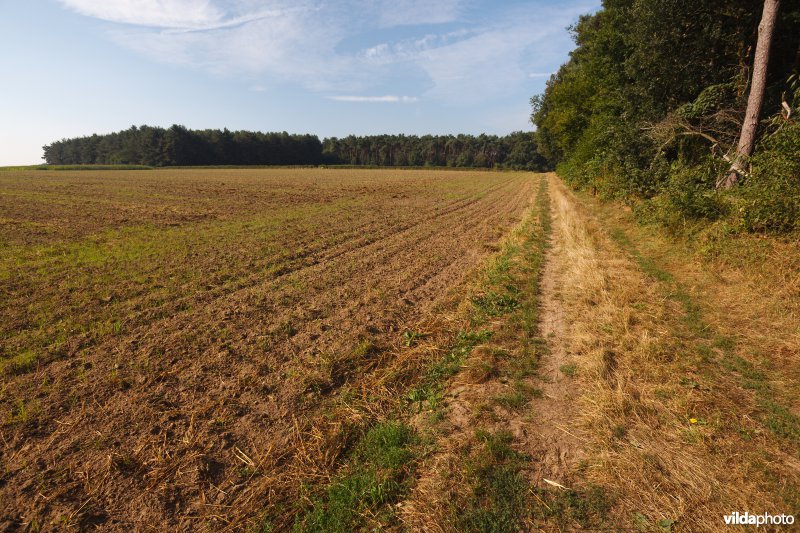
<point x="175" y="342"/>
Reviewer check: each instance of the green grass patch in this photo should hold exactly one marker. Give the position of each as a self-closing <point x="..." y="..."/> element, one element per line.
<point x="517" y="398"/>
<point x="498" y="501"/>
<point x="21" y="363"/>
<point x="773" y="416"/>
<point x="780" y="421"/>
<point x="431" y="387"/>
<point x="569" y="370"/>
<point x="494" y="304"/>
<point x="375" y="477"/>
<point x="501" y="500"/>
<point x="566" y="508"/>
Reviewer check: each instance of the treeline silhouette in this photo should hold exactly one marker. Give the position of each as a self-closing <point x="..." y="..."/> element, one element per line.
<point x="517" y="150"/>
<point x="179" y="146"/>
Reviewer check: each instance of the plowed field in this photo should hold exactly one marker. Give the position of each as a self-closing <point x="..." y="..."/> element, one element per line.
<point x="185" y="347"/>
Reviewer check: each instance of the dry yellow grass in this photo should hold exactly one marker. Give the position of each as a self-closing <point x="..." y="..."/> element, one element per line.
<point x="667" y="408"/>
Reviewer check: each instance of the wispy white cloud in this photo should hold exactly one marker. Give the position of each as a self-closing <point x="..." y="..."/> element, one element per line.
<point x="158" y="13"/>
<point x="412" y="49"/>
<point x="389" y="98"/>
<point x="409" y="12"/>
<point x="295" y="41"/>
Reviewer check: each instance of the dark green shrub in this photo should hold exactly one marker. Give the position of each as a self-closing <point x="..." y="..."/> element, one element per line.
<point x="770" y="197"/>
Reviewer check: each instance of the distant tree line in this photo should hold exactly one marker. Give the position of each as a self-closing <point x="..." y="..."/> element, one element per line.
<point x="517" y="150"/>
<point x="178" y="145"/>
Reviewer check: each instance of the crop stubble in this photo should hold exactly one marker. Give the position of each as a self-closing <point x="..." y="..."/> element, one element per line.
<point x="171" y="338"/>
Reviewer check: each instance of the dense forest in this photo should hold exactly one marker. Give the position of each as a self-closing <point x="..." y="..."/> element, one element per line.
<point x="517" y="150"/>
<point x="650" y="106"/>
<point x="177" y="145"/>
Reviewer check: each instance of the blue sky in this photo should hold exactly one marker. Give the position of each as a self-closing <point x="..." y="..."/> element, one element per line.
<point x="76" y="67"/>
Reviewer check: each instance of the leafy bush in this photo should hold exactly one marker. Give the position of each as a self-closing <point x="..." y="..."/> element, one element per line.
<point x="687" y="195"/>
<point x="770" y="197"/>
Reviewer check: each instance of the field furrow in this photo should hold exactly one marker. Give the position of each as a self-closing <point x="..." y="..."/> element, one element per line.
<point x="177" y="369"/>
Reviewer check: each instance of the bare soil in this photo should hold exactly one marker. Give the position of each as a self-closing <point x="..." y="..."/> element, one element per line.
<point x="554" y="445"/>
<point x="192" y="334"/>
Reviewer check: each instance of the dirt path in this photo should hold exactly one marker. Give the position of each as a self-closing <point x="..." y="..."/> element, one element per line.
<point x="554" y="446"/>
<point x="517" y="387"/>
<point x="676" y="411"/>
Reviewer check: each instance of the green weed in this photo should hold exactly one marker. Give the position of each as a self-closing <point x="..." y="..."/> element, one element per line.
<point x="569" y="370"/>
<point x="493" y="304"/>
<point x="374" y="478"/>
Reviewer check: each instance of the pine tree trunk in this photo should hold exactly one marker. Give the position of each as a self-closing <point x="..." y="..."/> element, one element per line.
<point x="755" y="100"/>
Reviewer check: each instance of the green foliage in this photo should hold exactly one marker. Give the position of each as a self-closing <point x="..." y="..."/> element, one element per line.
<point x="375" y="476"/>
<point x="517" y="150"/>
<point x="499" y="491"/>
<point x="770" y="198"/>
<point x="653" y="97"/>
<point x="76" y="167"/>
<point x="502" y="500"/>
<point x="711" y="99"/>
<point x="410" y="337"/>
<point x="179" y="146"/>
<point x="493" y="304"/>
<point x="687" y="195"/>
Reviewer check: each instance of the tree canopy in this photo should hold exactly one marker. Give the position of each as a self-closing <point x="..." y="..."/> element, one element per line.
<point x="177" y="145"/>
<point x="651" y="102"/>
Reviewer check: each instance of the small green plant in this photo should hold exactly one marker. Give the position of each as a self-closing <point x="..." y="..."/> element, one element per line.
<point x="365" y="348"/>
<point x="411" y="337"/>
<point x="20" y="412"/>
<point x="511" y="400"/>
<point x="247" y="472"/>
<point x="493" y="304"/>
<point x="521" y="394"/>
<point x="569" y="370"/>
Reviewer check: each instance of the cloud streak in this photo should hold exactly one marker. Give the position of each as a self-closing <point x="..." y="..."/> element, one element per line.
<point x="439" y="50"/>
<point x="389" y="98"/>
<point x="157" y="13"/>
